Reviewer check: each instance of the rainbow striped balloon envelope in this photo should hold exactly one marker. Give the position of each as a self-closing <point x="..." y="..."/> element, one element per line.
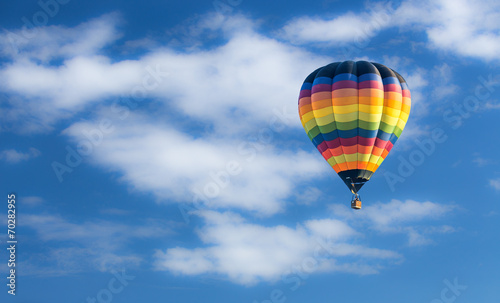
<point x="354" y="112"/>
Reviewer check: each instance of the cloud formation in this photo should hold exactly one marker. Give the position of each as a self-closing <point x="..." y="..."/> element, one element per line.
<point x="247" y="253"/>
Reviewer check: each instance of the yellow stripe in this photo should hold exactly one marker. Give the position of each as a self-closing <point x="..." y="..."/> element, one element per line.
<point x="306" y="117"/>
<point x="391" y="112"/>
<point x="371" y="109"/>
<point x="346" y="158"/>
<point x="363" y="157"/>
<point x="331" y="161"/>
<point x="355" y="158"/>
<point x="406" y="108"/>
<point x="318" y="113"/>
<point x="389" y="120"/>
<point x="401" y="124"/>
<point x="404" y="116"/>
<point x="345" y="109"/>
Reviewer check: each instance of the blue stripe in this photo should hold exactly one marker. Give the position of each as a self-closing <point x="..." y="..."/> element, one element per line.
<point x="383" y="135"/>
<point x="404" y="86"/>
<point x="393" y="139"/>
<point x="306" y="85"/>
<point x="346" y="134"/>
<point x="322" y="80"/>
<point x="370" y="77"/>
<point x="345" y="76"/>
<point x="367" y="133"/>
<point x="390" y="80"/>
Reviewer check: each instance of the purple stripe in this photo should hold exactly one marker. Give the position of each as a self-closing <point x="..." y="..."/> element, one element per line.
<point x="305" y="93"/>
<point x="345" y="84"/>
<point x="371" y="84"/>
<point x="321" y="88"/>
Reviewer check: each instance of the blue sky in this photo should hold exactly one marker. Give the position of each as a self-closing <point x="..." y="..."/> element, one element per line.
<point x="157" y="155"/>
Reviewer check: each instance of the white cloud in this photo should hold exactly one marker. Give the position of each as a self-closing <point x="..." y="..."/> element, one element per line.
<point x="214" y="171"/>
<point x="480" y="161"/>
<point x="400" y="217"/>
<point x="47" y="43"/>
<point x="231" y="86"/>
<point x="495" y="183"/>
<point x="31" y="200"/>
<point x="14" y="156"/>
<point x="466" y="28"/>
<point x="348" y="28"/>
<point x="248" y="253"/>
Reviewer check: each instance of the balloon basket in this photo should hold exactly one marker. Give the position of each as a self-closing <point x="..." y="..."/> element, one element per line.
<point x="356" y="203"/>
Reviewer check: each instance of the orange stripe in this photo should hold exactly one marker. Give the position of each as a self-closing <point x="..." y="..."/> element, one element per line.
<point x="343" y="166"/>
<point x="362" y="165"/>
<point x="364" y="149"/>
<point x="371" y="92"/>
<point x="377" y="151"/>
<point x="336" y="168"/>
<point x="371" y="167"/>
<point x="396" y="104"/>
<point x="345" y="92"/>
<point x="305" y="109"/>
<point x="321" y="103"/>
<point x="336" y="151"/>
<point x="352" y="165"/>
<point x="345" y="101"/>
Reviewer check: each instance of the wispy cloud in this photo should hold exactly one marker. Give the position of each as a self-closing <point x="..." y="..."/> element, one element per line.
<point x="13" y="156"/>
<point x="32" y="200"/>
<point x="495" y="183"/>
<point x="481" y="161"/>
<point x="86" y="246"/>
<point x="400" y="217"/>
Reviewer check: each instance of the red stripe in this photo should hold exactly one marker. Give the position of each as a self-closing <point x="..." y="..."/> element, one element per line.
<point x="371" y="84"/>
<point x="350" y="142"/>
<point x="392" y="88"/>
<point x="304" y="101"/>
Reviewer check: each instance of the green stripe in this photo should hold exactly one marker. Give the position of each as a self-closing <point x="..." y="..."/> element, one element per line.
<point x="313" y="132"/>
<point x="324" y="129"/>
<point x="398" y="131"/>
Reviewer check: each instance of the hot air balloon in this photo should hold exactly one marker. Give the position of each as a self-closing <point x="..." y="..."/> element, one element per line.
<point x="354" y="112"/>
